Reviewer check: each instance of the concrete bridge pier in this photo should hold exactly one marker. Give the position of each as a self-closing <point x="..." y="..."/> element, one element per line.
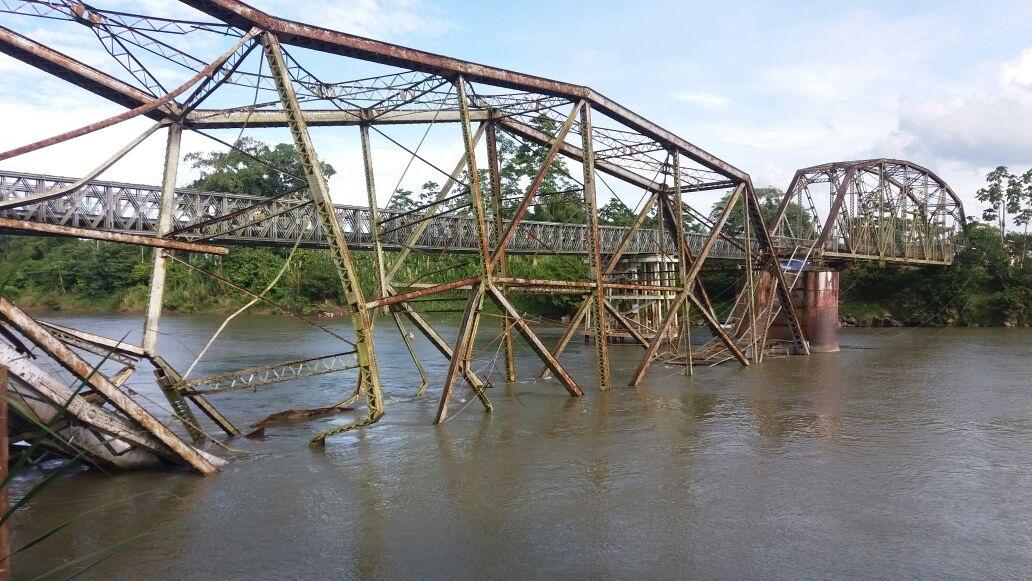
<point x="644" y="309"/>
<point x="816" y="298"/>
<point x="819" y="309"/>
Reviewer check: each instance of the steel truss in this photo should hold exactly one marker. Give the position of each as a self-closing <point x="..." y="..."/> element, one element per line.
<point x="252" y="80"/>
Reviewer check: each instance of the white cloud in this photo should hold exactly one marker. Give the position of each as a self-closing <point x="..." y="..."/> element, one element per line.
<point x="703" y="99"/>
<point x="1018" y="72"/>
<point x="378" y="19"/>
<point x="984" y="124"/>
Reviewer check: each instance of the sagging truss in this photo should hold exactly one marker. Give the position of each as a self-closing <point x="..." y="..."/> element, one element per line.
<point x="246" y="69"/>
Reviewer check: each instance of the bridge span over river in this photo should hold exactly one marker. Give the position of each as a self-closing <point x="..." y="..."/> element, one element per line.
<point x="134" y="209"/>
<point x="231" y="68"/>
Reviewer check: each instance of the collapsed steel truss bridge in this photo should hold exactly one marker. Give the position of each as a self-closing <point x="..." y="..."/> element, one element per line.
<point x="242" y="69"/>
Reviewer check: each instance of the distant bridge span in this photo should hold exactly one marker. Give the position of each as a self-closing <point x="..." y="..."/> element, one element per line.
<point x="133" y="209"/>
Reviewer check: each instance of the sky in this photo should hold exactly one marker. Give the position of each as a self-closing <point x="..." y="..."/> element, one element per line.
<point x="767" y="86"/>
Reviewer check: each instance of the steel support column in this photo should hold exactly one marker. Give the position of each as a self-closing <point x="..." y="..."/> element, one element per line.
<point x="598" y="296"/>
<point x="157" y="281"/>
<point x="160" y="263"/>
<point x="369" y="375"/>
<point x="379" y="263"/>
<point x="499" y="229"/>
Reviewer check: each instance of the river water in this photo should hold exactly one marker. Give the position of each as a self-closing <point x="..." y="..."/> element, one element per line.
<point x="908" y="454"/>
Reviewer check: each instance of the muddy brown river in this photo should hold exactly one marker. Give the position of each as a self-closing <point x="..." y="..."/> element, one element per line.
<point x="907" y="455"/>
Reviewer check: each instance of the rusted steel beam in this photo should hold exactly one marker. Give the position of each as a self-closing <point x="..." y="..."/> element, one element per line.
<point x="19" y="202"/>
<point x="598" y="297"/>
<point x="83" y="370"/>
<point x="55" y="230"/>
<point x="423" y="292"/>
<point x="476" y="197"/>
<point x="245" y="17"/>
<point x="498" y="215"/>
<point x="150" y="105"/>
<point x="535" y="343"/>
<point x="687" y="294"/>
<point x="215" y="119"/>
<point x="374" y="218"/>
<point x="318" y="190"/>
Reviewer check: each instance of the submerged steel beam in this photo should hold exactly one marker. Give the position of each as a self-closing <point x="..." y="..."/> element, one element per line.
<point x="83" y="370"/>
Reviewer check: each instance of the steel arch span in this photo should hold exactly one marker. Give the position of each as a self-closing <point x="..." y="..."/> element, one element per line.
<point x="874" y="209"/>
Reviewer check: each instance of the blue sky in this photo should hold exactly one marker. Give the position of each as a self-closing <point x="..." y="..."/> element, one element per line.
<point x="767" y="86"/>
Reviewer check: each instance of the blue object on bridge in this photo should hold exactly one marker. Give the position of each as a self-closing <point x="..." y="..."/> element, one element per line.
<point x="793" y="265"/>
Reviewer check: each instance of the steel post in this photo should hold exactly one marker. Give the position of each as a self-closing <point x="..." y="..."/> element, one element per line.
<point x="160" y="263"/>
<point x="499" y="228"/>
<point x="369" y="375"/>
<point x="598" y="296"/>
<point x="379" y="263"/>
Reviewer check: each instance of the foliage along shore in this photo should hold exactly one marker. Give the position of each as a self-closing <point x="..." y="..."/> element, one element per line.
<point x="986" y="286"/>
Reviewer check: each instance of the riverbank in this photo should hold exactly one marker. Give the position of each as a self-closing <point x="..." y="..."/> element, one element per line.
<point x="134" y="301"/>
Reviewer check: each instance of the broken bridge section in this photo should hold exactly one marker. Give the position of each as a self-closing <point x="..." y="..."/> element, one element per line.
<point x="234" y="69"/>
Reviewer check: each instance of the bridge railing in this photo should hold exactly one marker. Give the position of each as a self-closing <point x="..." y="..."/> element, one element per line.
<point x="133" y="208"/>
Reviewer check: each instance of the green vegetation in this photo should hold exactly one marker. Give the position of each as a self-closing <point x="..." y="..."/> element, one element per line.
<point x="990" y="282"/>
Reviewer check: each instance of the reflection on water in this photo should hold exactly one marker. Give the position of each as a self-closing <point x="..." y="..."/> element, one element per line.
<point x="908" y="457"/>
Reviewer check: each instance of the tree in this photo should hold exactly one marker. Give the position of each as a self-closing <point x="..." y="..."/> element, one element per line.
<point x="559" y="199"/>
<point x="403" y="200"/>
<point x="797" y="219"/>
<point x="234" y="172"/>
<point x="1000" y="189"/>
<point x="616" y="213"/>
